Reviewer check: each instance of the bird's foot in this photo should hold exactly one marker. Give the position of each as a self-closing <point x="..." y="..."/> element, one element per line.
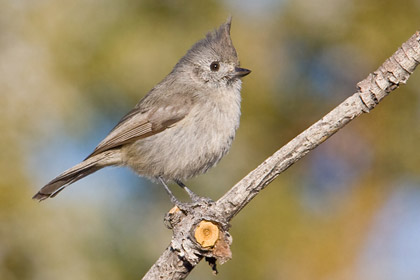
<point x="196" y="202"/>
<point x="186" y="207"/>
<point x="194" y="197"/>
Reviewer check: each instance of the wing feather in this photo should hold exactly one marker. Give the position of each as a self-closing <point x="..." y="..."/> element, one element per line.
<point x="139" y="124"/>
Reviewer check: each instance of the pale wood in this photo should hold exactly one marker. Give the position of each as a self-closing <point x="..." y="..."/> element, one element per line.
<point x="206" y="234"/>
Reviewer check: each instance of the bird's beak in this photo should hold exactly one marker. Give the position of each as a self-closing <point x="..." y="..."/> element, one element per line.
<point x="241" y="72"/>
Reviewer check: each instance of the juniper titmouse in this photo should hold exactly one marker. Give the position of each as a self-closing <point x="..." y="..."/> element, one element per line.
<point x="182" y="127"/>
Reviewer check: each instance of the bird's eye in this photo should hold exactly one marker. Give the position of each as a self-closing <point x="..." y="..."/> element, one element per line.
<point x="214" y="66"/>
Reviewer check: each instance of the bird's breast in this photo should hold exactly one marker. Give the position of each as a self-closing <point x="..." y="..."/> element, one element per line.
<point x="192" y="145"/>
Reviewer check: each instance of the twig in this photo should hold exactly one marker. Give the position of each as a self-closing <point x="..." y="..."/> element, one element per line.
<point x="185" y="251"/>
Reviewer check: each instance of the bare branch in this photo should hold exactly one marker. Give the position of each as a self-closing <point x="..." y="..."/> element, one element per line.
<point x="169" y="266"/>
<point x="185" y="252"/>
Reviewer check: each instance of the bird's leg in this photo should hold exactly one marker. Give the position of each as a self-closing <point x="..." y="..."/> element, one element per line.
<point x="174" y="200"/>
<point x="183" y="206"/>
<point x="190" y="193"/>
<point x="194" y="197"/>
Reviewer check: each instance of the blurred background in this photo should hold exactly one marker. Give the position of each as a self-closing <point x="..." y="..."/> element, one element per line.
<point x="69" y="70"/>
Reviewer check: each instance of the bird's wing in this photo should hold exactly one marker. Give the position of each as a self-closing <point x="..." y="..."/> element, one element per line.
<point x="141" y="123"/>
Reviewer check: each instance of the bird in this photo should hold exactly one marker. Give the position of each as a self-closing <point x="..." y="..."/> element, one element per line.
<point x="182" y="127"/>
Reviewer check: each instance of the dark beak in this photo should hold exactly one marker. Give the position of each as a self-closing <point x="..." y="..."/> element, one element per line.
<point x="241" y="72"/>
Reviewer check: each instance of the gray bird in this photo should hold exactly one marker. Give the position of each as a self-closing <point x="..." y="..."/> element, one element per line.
<point x="181" y="128"/>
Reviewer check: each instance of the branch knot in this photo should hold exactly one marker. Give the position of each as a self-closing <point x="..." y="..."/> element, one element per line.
<point x="199" y="230"/>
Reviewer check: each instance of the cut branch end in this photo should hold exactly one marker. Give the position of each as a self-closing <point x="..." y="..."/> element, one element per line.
<point x="206" y="234"/>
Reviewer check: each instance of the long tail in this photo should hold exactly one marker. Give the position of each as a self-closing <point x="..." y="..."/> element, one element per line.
<point x="88" y="166"/>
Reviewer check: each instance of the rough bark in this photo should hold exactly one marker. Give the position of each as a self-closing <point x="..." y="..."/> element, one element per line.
<point x="184" y="252"/>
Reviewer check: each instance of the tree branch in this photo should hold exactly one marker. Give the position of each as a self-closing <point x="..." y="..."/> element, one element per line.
<point x="185" y="252"/>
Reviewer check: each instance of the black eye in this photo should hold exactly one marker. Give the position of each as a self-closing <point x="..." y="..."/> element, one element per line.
<point x="214" y="66"/>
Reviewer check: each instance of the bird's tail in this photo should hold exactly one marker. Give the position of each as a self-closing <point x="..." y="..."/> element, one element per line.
<point x="86" y="167"/>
